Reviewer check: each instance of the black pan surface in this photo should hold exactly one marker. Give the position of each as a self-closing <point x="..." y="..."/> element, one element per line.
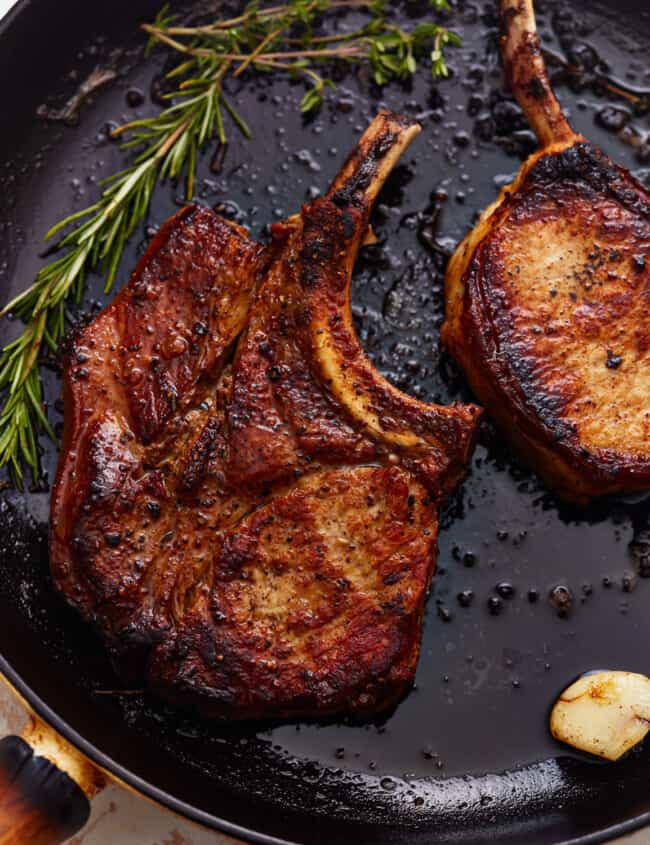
<point x="467" y="756"/>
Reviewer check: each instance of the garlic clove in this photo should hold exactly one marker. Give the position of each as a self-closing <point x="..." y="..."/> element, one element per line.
<point x="605" y="713"/>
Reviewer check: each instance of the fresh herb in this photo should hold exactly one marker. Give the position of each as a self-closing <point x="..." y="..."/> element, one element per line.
<point x="284" y="38"/>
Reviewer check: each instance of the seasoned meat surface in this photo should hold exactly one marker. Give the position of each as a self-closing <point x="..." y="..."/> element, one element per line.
<point x="315" y="604"/>
<point x="547" y="302"/>
<point x="253" y="535"/>
<point x="141" y="370"/>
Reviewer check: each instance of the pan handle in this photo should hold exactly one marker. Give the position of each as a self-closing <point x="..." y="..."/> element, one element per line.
<point x="45" y="787"/>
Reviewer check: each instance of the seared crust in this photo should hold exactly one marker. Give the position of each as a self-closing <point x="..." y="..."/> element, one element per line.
<point x="316" y="605"/>
<point x="432" y="440"/>
<point x="254" y="539"/>
<point x="548" y="305"/>
<point x="142" y="359"/>
<point x="547" y="298"/>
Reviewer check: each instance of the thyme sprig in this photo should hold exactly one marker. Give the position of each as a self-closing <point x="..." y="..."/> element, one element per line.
<point x="284" y="38"/>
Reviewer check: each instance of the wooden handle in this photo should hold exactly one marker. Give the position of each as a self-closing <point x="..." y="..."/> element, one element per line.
<point x="45" y="787"/>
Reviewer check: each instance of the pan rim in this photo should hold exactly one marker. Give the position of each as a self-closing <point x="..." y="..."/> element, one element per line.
<point x="12" y="12"/>
<point x="145" y="788"/>
<point x="120" y="774"/>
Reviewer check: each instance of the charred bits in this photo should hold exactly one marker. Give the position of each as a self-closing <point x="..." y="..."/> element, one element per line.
<point x="613" y="361"/>
<point x="561" y="599"/>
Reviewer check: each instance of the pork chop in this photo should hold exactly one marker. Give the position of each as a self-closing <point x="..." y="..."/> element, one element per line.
<point x="253" y="537"/>
<point x="548" y="298"/>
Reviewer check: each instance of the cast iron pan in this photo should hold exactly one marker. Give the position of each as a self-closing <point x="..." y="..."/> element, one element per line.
<point x="467" y="756"/>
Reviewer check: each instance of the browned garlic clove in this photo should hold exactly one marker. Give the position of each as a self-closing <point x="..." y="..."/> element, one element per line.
<point x="605" y="713"/>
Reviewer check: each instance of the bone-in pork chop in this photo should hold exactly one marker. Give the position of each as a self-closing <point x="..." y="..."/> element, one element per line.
<point x="253" y="535"/>
<point x="548" y="299"/>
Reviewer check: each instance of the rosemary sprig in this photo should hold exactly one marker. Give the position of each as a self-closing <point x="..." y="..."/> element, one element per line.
<point x="280" y="38"/>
